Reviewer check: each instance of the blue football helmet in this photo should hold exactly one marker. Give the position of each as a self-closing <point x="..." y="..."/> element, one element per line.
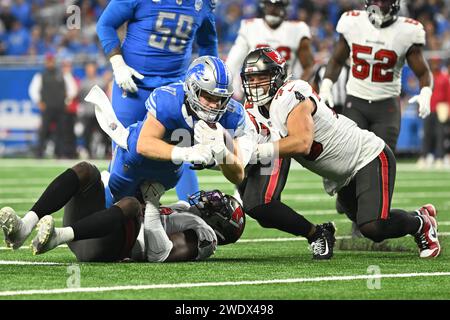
<point x="209" y="75"/>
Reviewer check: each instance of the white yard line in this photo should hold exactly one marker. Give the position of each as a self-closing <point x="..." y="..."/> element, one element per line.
<point x="34" y="263"/>
<point x="222" y="284"/>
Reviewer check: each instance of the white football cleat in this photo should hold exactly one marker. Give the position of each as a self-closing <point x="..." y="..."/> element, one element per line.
<point x="427" y="239"/>
<point x="46" y="238"/>
<point x="12" y="226"/>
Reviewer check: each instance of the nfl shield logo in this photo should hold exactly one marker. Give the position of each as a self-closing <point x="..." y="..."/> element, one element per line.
<point x="198" y="4"/>
<point x="179" y="2"/>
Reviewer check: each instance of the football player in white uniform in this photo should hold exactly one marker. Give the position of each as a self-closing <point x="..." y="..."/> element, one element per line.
<point x="264" y="181"/>
<point x="291" y="38"/>
<point x="378" y="43"/>
<point x="98" y="234"/>
<point x="355" y="163"/>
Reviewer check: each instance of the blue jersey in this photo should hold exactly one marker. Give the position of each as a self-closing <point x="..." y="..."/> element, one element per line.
<point x="167" y="104"/>
<point x="160" y="35"/>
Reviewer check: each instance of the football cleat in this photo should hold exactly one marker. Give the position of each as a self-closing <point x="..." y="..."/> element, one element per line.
<point x="12" y="225"/>
<point x="323" y="242"/>
<point x="46" y="238"/>
<point x="427" y="238"/>
<point x="428" y="210"/>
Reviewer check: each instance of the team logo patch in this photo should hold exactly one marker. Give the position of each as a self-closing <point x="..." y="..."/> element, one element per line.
<point x="299" y="96"/>
<point x="198" y="5"/>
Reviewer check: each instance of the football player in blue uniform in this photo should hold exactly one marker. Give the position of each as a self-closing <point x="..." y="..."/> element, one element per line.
<point x="156" y="51"/>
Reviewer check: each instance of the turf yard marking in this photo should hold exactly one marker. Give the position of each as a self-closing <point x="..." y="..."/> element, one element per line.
<point x="25" y="263"/>
<point x="222" y="284"/>
<point x="440" y="234"/>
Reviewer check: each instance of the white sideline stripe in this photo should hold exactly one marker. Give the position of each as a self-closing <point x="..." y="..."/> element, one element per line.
<point x="222" y="284"/>
<point x="24" y="263"/>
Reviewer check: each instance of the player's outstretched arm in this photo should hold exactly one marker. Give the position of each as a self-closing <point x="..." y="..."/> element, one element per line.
<point x="300" y="127"/>
<point x="151" y="145"/>
<point x="422" y="71"/>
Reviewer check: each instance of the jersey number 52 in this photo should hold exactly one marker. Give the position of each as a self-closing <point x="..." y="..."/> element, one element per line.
<point x="380" y="70"/>
<point x="176" y="38"/>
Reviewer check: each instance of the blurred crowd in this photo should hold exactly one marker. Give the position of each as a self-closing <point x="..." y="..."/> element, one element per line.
<point x="38" y="28"/>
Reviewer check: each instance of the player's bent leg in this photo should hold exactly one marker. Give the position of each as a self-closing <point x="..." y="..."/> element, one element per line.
<point x="55" y="196"/>
<point x="188" y="183"/>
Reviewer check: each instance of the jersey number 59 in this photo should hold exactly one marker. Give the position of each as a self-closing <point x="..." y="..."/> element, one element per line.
<point x="176" y="38"/>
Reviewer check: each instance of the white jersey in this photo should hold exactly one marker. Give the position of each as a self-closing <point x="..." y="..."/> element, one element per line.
<point x="377" y="54"/>
<point x="340" y="149"/>
<point x="255" y="33"/>
<point x="262" y="124"/>
<point x="176" y="218"/>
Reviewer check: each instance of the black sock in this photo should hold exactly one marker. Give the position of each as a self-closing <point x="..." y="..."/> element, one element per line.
<point x="276" y="214"/>
<point x="98" y="224"/>
<point x="57" y="194"/>
<point x="399" y="224"/>
<point x="405" y="222"/>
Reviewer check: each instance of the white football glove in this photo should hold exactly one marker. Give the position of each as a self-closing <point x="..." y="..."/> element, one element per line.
<point x="423" y="99"/>
<point x="326" y="93"/>
<point x="123" y="74"/>
<point x="198" y="154"/>
<point x="214" y="138"/>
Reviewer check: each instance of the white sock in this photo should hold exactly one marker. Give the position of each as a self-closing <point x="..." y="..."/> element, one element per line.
<point x="64" y="235"/>
<point x="30" y="220"/>
<point x="157" y="243"/>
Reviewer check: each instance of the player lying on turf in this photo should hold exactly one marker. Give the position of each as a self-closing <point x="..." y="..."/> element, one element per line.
<point x="95" y="233"/>
<point x="355" y="163"/>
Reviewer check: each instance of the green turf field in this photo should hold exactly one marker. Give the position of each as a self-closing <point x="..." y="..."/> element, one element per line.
<point x="264" y="264"/>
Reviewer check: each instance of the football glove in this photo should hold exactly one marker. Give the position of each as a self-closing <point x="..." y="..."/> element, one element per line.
<point x="197" y="154"/>
<point x="214" y="138"/>
<point x="423" y="99"/>
<point x="123" y="74"/>
<point x="326" y="93"/>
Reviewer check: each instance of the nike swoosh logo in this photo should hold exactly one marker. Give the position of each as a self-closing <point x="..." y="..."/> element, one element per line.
<point x="432" y="234"/>
<point x="326" y="249"/>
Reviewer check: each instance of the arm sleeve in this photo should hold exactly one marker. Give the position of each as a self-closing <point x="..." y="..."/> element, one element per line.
<point x="34" y="91"/>
<point x="207" y="37"/>
<point x="116" y="13"/>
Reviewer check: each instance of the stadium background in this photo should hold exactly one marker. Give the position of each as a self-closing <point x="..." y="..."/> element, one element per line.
<point x="265" y="263"/>
<point x="30" y="29"/>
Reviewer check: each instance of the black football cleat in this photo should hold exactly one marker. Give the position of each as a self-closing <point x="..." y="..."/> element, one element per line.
<point x="323" y="241"/>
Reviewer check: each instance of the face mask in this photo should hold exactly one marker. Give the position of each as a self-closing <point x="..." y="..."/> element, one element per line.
<point x="272" y="20"/>
<point x="376" y="17"/>
<point x="257" y="93"/>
